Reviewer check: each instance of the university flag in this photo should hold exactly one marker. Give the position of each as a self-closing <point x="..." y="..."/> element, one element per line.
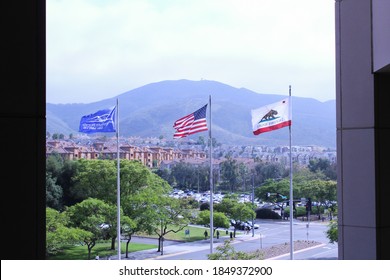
<point x="271" y="117"/>
<point x="101" y="121"/>
<point x="190" y="124"/>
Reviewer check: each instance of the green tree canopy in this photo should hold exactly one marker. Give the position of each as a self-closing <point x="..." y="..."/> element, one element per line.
<point x="235" y="210"/>
<point x="273" y="187"/>
<point x="332" y="232"/>
<point x="230" y="173"/>
<point x="96" y="179"/>
<point x="219" y="219"/>
<point x="53" y="193"/>
<point x="59" y="234"/>
<point x="324" y="166"/>
<point x="171" y="215"/>
<point x="89" y="215"/>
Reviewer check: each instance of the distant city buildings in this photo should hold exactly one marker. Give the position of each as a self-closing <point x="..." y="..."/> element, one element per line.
<point x="157" y="153"/>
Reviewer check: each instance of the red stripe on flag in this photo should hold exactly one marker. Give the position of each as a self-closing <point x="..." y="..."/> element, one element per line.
<point x="190" y="124"/>
<point x="273" y="127"/>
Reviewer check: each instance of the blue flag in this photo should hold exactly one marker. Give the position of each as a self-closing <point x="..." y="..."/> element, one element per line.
<point x="101" y="121"/>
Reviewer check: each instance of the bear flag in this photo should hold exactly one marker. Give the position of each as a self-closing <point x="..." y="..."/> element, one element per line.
<point x="271" y="117"/>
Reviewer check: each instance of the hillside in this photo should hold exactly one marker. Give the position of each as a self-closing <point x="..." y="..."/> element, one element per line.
<point x="151" y="110"/>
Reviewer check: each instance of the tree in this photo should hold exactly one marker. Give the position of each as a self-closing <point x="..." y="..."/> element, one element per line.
<point x="54" y="165"/>
<point x="230" y="173"/>
<point x="269" y="170"/>
<point x="59" y="234"/>
<point x="62" y="172"/>
<point x="141" y="191"/>
<point x="243" y="171"/>
<point x="324" y="166"/>
<point x="184" y="175"/>
<point x="201" y="141"/>
<point x="96" y="179"/>
<point x="332" y="232"/>
<point x="303" y="174"/>
<point x="89" y="215"/>
<point x="65" y="180"/>
<point x="213" y="141"/>
<point x="235" y="210"/>
<point x="53" y="193"/>
<point x="323" y="192"/>
<point x="165" y="174"/>
<point x="172" y="215"/>
<point x="281" y="187"/>
<point x="219" y="220"/>
<point x="128" y="229"/>
<point x="110" y="230"/>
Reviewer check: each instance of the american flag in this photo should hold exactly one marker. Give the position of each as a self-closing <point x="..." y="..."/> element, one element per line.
<point x="190" y="124"/>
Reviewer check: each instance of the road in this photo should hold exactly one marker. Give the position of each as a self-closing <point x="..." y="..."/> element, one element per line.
<point x="269" y="234"/>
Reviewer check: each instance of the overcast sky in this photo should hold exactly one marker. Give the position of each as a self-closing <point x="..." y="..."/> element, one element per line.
<point x="98" y="49"/>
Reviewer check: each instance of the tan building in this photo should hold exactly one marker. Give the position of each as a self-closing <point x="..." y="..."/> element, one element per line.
<point x="148" y="156"/>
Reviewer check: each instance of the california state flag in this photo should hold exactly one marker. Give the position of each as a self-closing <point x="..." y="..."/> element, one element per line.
<point x="271" y="117"/>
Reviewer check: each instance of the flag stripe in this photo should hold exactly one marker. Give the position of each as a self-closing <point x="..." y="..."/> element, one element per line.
<point x="185" y="123"/>
<point x="193" y="125"/>
<point x="273" y="127"/>
<point x="190" y="124"/>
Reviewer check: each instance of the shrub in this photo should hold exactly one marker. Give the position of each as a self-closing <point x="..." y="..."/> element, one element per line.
<point x="300" y="212"/>
<point x="332" y="232"/>
<point x="204" y="206"/>
<point x="227" y="252"/>
<point x="264" y="213"/>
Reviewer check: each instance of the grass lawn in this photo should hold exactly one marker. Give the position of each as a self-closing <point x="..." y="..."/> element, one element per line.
<point x="101" y="249"/>
<point x="195" y="233"/>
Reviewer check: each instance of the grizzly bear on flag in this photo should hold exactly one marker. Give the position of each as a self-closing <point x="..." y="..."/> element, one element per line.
<point x="269" y="116"/>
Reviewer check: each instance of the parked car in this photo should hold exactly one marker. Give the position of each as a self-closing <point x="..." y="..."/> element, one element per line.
<point x="244" y="226"/>
<point x="255" y="226"/>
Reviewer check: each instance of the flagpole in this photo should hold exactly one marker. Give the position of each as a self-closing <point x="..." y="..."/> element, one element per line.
<point x="291" y="188"/>
<point x="118" y="182"/>
<point x="211" y="185"/>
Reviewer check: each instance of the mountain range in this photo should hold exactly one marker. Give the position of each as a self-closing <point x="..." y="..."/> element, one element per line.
<point x="151" y="110"/>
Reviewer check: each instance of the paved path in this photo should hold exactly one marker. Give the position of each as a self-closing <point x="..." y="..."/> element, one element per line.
<point x="176" y="247"/>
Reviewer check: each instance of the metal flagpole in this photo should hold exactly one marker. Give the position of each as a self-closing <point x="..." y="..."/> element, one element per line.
<point x="253" y="204"/>
<point x="118" y="183"/>
<point x="211" y="185"/>
<point x="291" y="186"/>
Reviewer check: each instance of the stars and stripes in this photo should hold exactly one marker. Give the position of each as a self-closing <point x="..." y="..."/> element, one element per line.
<point x="190" y="124"/>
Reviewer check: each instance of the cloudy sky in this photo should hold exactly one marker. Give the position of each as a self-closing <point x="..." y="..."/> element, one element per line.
<point x="98" y="49"/>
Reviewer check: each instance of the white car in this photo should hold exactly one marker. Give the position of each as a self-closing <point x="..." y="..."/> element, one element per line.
<point x="255" y="226"/>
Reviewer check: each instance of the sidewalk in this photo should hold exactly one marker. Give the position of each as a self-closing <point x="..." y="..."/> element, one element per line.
<point x="181" y="248"/>
<point x="177" y="248"/>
